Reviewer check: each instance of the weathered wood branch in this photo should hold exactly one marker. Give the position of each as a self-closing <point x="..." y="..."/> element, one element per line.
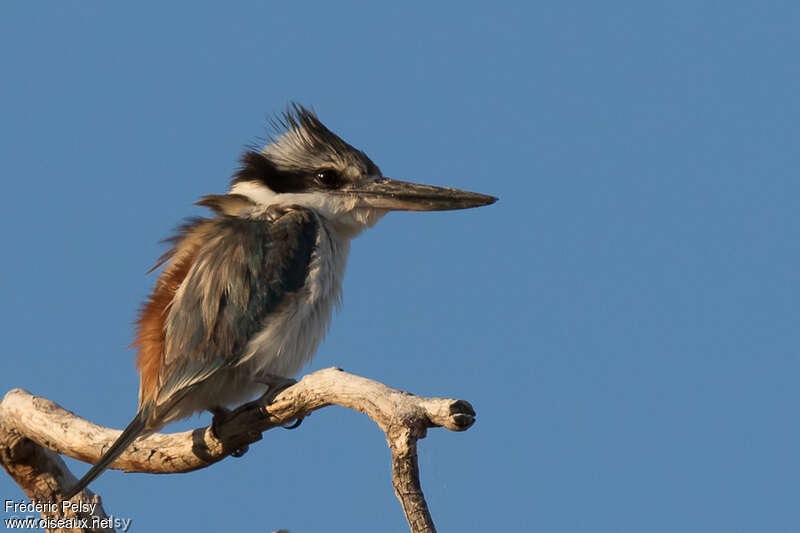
<point x="31" y="426"/>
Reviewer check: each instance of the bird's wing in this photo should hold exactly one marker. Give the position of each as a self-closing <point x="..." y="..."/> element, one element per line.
<point x="240" y="274"/>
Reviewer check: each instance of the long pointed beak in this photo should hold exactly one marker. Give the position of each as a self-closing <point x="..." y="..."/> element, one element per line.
<point x="395" y="195"/>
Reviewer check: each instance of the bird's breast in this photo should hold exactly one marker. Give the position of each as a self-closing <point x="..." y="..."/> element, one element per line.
<point x="291" y="334"/>
<point x="286" y="339"/>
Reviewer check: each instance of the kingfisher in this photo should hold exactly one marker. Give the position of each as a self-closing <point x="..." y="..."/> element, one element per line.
<point x="246" y="295"/>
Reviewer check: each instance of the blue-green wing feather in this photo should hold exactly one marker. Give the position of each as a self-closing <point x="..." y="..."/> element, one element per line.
<point x="242" y="272"/>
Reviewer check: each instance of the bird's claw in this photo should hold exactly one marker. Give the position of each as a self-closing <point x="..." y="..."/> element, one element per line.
<point x="276" y="384"/>
<point x="295" y="424"/>
<point x="238" y="452"/>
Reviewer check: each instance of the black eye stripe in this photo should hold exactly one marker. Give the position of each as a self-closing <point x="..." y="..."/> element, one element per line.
<point x="255" y="166"/>
<point x="328" y="178"/>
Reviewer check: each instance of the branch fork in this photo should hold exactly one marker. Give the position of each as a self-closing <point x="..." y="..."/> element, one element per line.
<point x="34" y="430"/>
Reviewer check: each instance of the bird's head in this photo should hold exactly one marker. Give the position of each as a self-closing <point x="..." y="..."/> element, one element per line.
<point x="306" y="164"/>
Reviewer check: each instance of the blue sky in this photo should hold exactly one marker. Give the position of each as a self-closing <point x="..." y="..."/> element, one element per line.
<point x="624" y="320"/>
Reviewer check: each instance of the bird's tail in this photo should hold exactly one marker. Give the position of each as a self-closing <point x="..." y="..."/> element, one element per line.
<point x="129" y="434"/>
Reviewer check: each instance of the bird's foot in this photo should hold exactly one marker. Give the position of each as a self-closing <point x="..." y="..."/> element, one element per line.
<point x="275" y="384"/>
<point x="219" y="416"/>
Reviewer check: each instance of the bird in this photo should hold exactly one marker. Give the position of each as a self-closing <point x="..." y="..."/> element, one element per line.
<point x="246" y="295"/>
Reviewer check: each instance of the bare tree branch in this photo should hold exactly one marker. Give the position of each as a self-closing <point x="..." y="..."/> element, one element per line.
<point x="29" y="424"/>
<point x="43" y="475"/>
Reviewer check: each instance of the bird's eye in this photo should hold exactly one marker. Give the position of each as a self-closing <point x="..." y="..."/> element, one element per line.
<point x="328" y="178"/>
